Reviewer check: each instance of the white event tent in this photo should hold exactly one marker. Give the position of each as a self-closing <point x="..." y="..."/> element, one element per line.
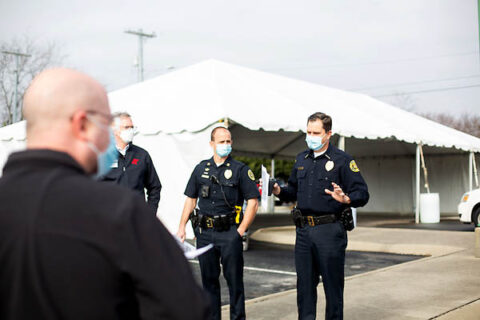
<point x="266" y="114"/>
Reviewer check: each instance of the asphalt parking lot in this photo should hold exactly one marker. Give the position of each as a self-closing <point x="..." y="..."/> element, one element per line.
<point x="270" y="268"/>
<point x="447" y="223"/>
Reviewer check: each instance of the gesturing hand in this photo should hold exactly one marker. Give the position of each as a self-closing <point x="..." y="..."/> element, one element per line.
<point x="338" y="194"/>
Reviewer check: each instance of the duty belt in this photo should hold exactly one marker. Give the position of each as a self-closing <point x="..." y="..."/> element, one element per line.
<point x="219" y="223"/>
<point x="317" y="220"/>
<point x="301" y="220"/>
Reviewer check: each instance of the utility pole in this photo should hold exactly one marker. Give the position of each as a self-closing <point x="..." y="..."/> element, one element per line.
<point x="140" y="35"/>
<point x="17" y="55"/>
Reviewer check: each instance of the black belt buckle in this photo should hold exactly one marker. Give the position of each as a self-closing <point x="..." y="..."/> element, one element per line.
<point x="311" y="221"/>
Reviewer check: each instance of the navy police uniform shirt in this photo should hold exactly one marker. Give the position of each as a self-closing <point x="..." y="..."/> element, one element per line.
<point x="311" y="176"/>
<point x="236" y="179"/>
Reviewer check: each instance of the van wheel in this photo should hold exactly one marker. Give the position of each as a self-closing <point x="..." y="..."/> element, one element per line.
<point x="476" y="217"/>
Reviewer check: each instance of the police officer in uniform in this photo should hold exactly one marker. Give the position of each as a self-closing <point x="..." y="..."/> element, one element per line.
<point x="221" y="184"/>
<point x="324" y="181"/>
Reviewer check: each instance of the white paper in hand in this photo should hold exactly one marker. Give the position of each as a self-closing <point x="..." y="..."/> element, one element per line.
<point x="190" y="251"/>
<point x="265" y="180"/>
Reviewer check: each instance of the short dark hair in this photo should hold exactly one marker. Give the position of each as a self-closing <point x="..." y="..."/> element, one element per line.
<point x="326" y="120"/>
<point x="212" y="135"/>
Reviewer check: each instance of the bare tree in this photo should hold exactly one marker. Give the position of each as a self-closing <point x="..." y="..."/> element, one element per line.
<point x="40" y="57"/>
<point x="467" y="123"/>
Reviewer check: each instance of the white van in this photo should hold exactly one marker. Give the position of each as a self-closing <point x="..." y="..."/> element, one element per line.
<point x="469" y="207"/>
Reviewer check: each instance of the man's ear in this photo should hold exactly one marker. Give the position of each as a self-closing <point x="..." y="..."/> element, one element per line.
<point x="79" y="125"/>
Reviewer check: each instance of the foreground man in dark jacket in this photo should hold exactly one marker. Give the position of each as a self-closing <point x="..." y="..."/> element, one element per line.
<point x="73" y="248"/>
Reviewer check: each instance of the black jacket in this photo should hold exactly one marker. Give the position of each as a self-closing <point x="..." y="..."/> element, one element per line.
<point x="74" y="248"/>
<point x="136" y="171"/>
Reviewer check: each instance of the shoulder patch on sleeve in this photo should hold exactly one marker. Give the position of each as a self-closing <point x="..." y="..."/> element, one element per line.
<point x="353" y="166"/>
<point x="251" y="175"/>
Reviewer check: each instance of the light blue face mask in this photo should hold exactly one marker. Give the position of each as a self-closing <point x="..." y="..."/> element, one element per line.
<point x="223" y="150"/>
<point x="314" y="142"/>
<point x="107" y="158"/>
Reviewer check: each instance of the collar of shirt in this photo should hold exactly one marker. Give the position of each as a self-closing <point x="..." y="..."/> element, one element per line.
<point x="123" y="152"/>
<point x="226" y="162"/>
<point x="318" y="154"/>
<point x="325" y="153"/>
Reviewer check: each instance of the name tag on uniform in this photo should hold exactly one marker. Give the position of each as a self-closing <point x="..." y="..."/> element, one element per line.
<point x="114" y="165"/>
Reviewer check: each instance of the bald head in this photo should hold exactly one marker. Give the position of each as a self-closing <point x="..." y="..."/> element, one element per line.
<point x="55" y="94"/>
<point x="66" y="110"/>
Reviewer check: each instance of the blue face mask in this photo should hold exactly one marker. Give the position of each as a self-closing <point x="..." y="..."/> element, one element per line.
<point x="314" y="142"/>
<point x="107" y="158"/>
<point x="223" y="150"/>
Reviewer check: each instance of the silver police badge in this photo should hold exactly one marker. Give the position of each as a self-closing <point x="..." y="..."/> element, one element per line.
<point x="329" y="165"/>
<point x="227" y="174"/>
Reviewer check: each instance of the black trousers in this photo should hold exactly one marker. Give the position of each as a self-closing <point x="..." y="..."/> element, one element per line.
<point x="227" y="250"/>
<point x="320" y="251"/>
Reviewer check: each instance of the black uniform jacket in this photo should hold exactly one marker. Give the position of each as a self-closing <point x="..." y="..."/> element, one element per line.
<point x="136" y="171"/>
<point x="311" y="176"/>
<point x="75" y="248"/>
<point x="223" y="187"/>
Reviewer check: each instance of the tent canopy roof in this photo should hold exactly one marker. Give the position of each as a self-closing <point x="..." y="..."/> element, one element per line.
<point x="192" y="98"/>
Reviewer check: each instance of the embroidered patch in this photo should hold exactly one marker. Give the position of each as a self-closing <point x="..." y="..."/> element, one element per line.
<point x="251" y="175"/>
<point x="135" y="161"/>
<point x="353" y="166"/>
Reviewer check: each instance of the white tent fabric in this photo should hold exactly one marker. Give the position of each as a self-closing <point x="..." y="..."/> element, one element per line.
<point x="193" y="97"/>
<point x="175" y="113"/>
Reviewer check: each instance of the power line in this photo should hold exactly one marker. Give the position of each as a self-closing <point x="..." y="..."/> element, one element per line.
<point x="379" y="62"/>
<point x="429" y="90"/>
<point x="414" y="82"/>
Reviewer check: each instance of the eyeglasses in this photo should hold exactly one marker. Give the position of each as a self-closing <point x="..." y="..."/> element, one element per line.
<point x="128" y="127"/>
<point x="109" y="117"/>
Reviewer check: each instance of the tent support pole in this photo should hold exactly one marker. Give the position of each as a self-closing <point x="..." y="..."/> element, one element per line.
<point x="470" y="171"/>
<point x="272" y="172"/>
<point x="475" y="172"/>
<point x="341" y="143"/>
<point x="271" y="199"/>
<point x="417" y="185"/>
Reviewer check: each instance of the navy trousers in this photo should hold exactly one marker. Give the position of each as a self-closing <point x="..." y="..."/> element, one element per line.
<point x="320" y="251"/>
<point x="227" y="250"/>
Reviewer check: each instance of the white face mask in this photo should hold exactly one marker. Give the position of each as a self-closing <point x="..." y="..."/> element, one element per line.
<point x="127" y="135"/>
